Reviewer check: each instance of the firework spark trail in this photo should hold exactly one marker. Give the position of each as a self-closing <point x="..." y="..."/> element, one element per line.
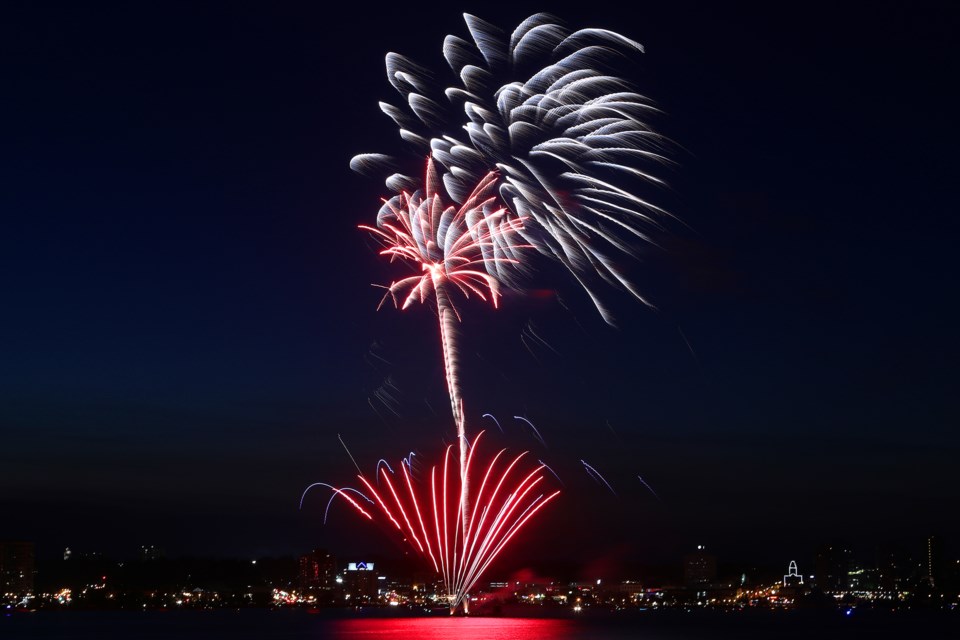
<point x="430" y="518"/>
<point x="376" y="411"/>
<point x="550" y="469"/>
<point x="338" y="491"/>
<point x="689" y="346"/>
<point x="613" y="431"/>
<point x="381" y="461"/>
<point x="572" y="140"/>
<point x="596" y="475"/>
<point x="533" y="334"/>
<point x="526" y="346"/>
<point x="495" y="421"/>
<point x="648" y="487"/>
<point x="348" y="452"/>
<point x="326" y="512"/>
<point x="537" y="433"/>
<point x="386" y="399"/>
<point x="462" y="249"/>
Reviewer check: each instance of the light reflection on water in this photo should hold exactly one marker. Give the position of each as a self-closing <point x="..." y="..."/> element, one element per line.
<point x="455" y="629"/>
<point x="259" y="624"/>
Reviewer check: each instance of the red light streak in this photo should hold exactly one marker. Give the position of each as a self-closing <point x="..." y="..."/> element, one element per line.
<point x="461" y="248"/>
<point x="462" y="554"/>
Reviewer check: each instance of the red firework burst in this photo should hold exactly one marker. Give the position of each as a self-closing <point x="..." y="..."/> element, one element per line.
<point x="463" y="247"/>
<point x="427" y="513"/>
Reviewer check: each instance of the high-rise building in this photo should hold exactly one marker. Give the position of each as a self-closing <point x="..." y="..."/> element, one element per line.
<point x="887" y="573"/>
<point x="833" y="565"/>
<point x="317" y="571"/>
<point x="862" y="578"/>
<point x="699" y="568"/>
<point x="361" y="580"/>
<point x="16" y="568"/>
<point x="932" y="563"/>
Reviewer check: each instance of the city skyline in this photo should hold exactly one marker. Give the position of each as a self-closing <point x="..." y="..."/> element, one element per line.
<point x="181" y="359"/>
<point x="929" y="559"/>
<point x="838" y="575"/>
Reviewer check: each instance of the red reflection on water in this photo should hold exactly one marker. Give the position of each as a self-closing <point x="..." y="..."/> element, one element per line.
<point x="447" y="628"/>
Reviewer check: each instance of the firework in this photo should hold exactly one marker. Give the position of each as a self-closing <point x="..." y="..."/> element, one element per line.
<point x="548" y="107"/>
<point x="648" y="487"/>
<point x="541" y="144"/>
<point x="427" y="513"/>
<point x="593" y="473"/>
<point x="450" y="249"/>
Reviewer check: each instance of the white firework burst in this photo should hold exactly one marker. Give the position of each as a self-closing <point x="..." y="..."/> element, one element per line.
<point x="570" y="137"/>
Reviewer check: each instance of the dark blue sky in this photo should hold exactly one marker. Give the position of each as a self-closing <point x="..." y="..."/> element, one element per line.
<point x="188" y="323"/>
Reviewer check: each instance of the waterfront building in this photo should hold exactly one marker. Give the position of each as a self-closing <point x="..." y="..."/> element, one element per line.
<point x="793" y="578"/>
<point x="932" y="562"/>
<point x="361" y="581"/>
<point x="833" y="566"/>
<point x="699" y="568"/>
<point x="317" y="571"/>
<point x="16" y="568"/>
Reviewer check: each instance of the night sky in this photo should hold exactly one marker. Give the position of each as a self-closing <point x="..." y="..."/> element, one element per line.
<point x="188" y="322"/>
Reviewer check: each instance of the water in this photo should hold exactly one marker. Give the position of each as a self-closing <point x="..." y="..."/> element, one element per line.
<point x="298" y="625"/>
